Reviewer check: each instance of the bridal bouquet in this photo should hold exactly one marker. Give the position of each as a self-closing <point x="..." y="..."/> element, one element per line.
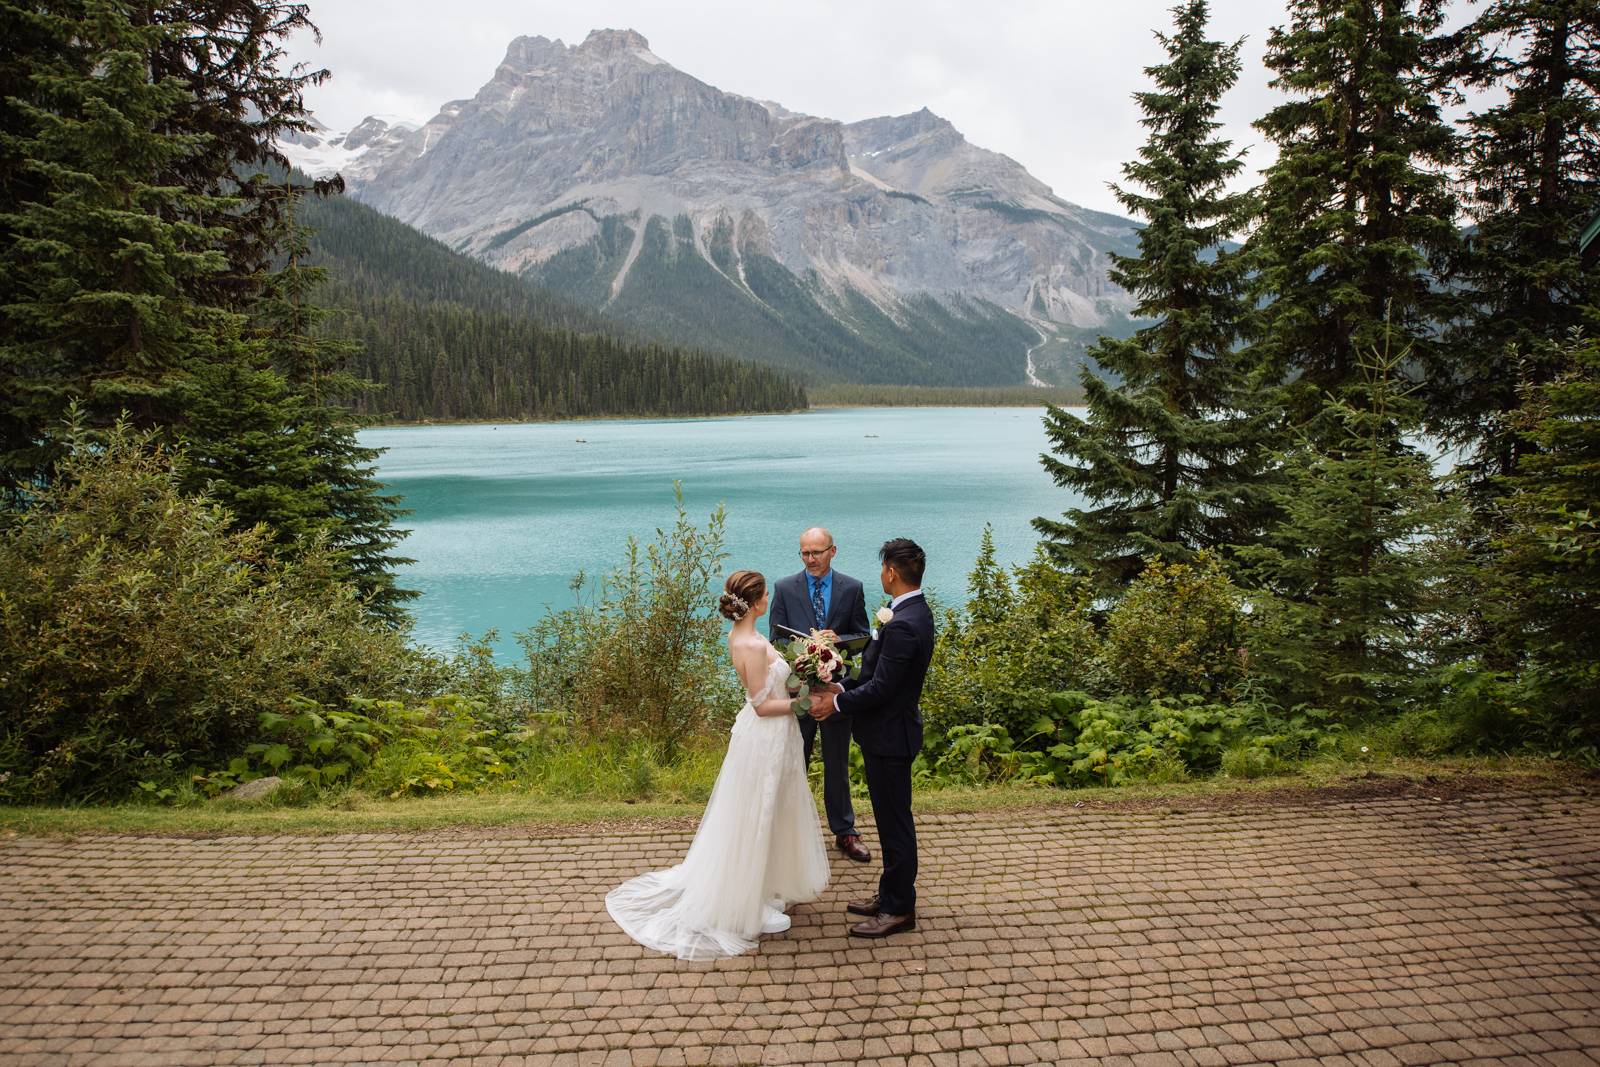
<point x="814" y="663"/>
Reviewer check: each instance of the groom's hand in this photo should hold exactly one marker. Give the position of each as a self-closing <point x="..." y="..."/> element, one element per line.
<point x="822" y="704"/>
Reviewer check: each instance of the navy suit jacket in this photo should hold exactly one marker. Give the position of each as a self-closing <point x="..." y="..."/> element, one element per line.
<point x="885" y="718"/>
<point x="791" y="607"/>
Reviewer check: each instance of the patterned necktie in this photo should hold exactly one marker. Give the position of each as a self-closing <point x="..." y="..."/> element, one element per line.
<point x="818" y="612"/>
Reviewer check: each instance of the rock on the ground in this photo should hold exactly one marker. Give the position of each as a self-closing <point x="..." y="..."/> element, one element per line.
<point x="255" y="790"/>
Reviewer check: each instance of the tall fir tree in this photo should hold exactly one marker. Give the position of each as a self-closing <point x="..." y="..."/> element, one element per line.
<point x="1171" y="453"/>
<point x="1532" y="174"/>
<point x="357" y="517"/>
<point x="1357" y="214"/>
<point x="1544" y="586"/>
<point x="102" y="254"/>
<point x="990" y="598"/>
<point x="244" y="448"/>
<point x="141" y="234"/>
<point x="244" y="95"/>
<point x="1342" y="582"/>
<point x="38" y="45"/>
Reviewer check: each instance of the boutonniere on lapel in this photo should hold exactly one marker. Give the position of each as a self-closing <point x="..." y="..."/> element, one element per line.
<point x="884" y="616"/>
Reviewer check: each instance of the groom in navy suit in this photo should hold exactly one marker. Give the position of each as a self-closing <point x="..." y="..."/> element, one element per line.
<point x="821" y="598"/>
<point x="887" y="723"/>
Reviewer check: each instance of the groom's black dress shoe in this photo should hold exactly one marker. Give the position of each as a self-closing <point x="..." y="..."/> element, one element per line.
<point x="850" y="845"/>
<point x="868" y="907"/>
<point x="884" y="925"/>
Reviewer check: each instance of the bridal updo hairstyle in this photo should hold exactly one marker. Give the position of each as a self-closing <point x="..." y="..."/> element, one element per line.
<point x="740" y="593"/>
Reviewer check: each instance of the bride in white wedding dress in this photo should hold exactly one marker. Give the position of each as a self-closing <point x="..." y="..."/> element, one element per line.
<point x="758" y="848"/>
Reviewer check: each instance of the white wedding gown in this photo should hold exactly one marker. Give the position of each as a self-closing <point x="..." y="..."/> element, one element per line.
<point x="758" y="849"/>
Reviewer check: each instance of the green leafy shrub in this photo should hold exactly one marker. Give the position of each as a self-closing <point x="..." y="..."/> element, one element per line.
<point x="1180" y="628"/>
<point x="501" y="690"/>
<point x="440" y="747"/>
<point x="310" y="744"/>
<point x="1246" y="759"/>
<point x="977" y="754"/>
<point x="646" y="656"/>
<point x="384" y="746"/>
<point x="139" y="635"/>
<point x="547" y="759"/>
<point x="1086" y="741"/>
<point x="1021" y="637"/>
<point x="1469" y="709"/>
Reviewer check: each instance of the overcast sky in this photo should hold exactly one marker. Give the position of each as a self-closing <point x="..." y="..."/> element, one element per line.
<point x="1046" y="82"/>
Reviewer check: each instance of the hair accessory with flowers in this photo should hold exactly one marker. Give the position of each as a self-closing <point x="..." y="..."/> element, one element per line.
<point x="739" y="604"/>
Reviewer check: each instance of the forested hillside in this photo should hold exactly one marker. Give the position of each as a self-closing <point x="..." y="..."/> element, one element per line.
<point x="446" y="337"/>
<point x="755" y="306"/>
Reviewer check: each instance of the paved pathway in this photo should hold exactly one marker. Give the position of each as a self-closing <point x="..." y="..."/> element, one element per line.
<point x="1378" y="930"/>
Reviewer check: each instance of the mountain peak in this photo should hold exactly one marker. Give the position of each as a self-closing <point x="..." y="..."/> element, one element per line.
<point x="920" y="128"/>
<point x="610" y="42"/>
<point x="530" y="53"/>
<point x="924" y="120"/>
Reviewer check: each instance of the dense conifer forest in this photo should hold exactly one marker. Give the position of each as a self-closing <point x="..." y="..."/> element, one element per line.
<point x="446" y="337"/>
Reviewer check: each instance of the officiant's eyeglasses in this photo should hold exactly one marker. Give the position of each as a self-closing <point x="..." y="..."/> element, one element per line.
<point x="809" y="553"/>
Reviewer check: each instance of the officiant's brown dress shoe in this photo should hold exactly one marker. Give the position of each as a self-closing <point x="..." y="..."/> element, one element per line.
<point x="868" y="907"/>
<point x="884" y="925"/>
<point x="850" y="845"/>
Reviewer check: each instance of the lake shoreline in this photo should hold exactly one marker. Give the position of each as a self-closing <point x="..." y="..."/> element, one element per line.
<point x="423" y="423"/>
<point x="401" y="424"/>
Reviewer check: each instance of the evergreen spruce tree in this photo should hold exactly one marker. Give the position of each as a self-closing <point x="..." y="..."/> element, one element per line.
<point x="245" y="449"/>
<point x="1171" y="453"/>
<point x="243" y="96"/>
<point x="141" y="232"/>
<point x="1357" y="214"/>
<point x="101" y="254"/>
<point x="1545" y="587"/>
<point x="340" y="486"/>
<point x="990" y="598"/>
<point x="37" y="45"/>
<point x="1342" y="581"/>
<point x="1532" y="173"/>
<point x="362" y="529"/>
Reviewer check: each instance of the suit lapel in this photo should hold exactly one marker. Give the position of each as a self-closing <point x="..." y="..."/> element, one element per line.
<point x="805" y="600"/>
<point x="802" y="600"/>
<point x="835" y="603"/>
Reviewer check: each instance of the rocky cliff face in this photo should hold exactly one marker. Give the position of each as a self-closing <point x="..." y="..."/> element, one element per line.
<point x="885" y="250"/>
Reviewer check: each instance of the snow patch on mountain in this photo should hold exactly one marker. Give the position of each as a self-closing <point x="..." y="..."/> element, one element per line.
<point x="320" y="152"/>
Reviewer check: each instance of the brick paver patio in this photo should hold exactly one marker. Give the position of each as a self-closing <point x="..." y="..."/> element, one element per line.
<point x="1389" y="929"/>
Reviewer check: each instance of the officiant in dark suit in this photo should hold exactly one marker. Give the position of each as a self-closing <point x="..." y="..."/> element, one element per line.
<point x="821" y="598"/>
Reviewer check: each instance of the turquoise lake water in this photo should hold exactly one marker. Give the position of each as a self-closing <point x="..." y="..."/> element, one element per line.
<point x="504" y="516"/>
